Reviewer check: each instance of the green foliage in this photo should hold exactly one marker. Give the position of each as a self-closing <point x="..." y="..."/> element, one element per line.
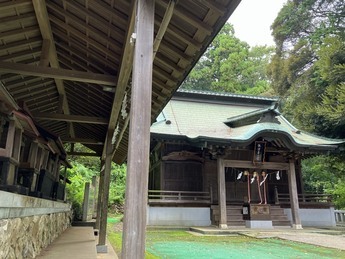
<point x="78" y="175"/>
<point x="117" y="184"/>
<point x="325" y="174"/>
<point x="308" y="66"/>
<point x="230" y="65"/>
<point x="308" y="72"/>
<point x="84" y="168"/>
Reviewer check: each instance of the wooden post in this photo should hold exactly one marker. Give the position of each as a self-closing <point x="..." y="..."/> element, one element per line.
<point x="33" y="154"/>
<point x="221" y="194"/>
<point x="86" y="201"/>
<point x="10" y="138"/>
<point x="133" y="244"/>
<point x="101" y="247"/>
<point x="296" y="222"/>
<point x="100" y="195"/>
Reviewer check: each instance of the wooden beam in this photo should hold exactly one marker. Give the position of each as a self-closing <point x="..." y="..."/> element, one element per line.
<point x="19" y="31"/>
<point x="57" y="73"/>
<point x="81" y="154"/>
<point x="184" y="15"/>
<point x="14" y="4"/>
<point x="71" y="118"/>
<point x="134" y="231"/>
<point x="21" y="54"/>
<point x="124" y="75"/>
<point x="82" y="141"/>
<point x="250" y="164"/>
<point x="163" y="26"/>
<point x="83" y="26"/>
<point x="219" y="8"/>
<point x="46" y="32"/>
<point x="44" y="59"/>
<point x="159" y="36"/>
<point x="19" y="44"/>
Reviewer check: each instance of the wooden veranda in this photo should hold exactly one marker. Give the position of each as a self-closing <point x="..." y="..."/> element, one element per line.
<point x="99" y="72"/>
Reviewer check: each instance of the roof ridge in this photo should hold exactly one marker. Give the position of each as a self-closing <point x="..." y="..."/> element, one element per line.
<point x="225" y="94"/>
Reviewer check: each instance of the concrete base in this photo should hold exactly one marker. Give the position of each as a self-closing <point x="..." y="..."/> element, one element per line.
<point x="314" y="217"/>
<point x="297" y="226"/>
<point x="223" y="226"/>
<point x="259" y="224"/>
<point x="178" y="216"/>
<point x="102" y="249"/>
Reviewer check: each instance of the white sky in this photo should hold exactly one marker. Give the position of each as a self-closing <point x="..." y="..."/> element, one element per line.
<point x="252" y="20"/>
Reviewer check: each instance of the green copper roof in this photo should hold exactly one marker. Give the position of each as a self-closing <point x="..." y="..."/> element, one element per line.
<point x="229" y="121"/>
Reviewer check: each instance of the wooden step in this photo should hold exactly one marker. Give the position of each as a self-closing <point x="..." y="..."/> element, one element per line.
<point x="235" y="217"/>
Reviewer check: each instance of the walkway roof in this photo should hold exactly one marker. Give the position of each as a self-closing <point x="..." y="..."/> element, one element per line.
<point x="71" y="61"/>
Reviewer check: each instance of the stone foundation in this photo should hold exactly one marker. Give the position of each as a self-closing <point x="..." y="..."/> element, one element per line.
<point x="25" y="237"/>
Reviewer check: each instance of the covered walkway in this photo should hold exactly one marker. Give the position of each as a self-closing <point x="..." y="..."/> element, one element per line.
<point x="76" y="242"/>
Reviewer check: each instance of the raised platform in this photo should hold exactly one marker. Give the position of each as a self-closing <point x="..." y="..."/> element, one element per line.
<point x="14" y="205"/>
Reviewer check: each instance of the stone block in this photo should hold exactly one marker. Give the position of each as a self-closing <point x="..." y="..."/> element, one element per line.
<point x="265" y="224"/>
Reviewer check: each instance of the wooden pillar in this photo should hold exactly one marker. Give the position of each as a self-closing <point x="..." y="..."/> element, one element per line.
<point x="296" y="222"/>
<point x="221" y="194"/>
<point x="10" y="138"/>
<point x="134" y="231"/>
<point x="100" y="195"/>
<point x="101" y="247"/>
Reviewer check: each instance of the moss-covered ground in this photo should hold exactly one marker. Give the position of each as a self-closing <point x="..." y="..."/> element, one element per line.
<point x="182" y="244"/>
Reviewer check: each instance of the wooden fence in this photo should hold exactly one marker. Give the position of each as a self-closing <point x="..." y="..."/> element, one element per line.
<point x="323" y="200"/>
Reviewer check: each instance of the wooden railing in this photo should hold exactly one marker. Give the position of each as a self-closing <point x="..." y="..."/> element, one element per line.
<point x="340" y="217"/>
<point x="159" y="196"/>
<point x="305" y="199"/>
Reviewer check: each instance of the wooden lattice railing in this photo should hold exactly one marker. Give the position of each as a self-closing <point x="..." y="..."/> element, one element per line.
<point x="160" y="196"/>
<point x="305" y="199"/>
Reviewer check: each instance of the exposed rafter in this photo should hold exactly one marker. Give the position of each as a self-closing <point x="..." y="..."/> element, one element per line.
<point x="70" y="118"/>
<point x="46" y="32"/>
<point x="57" y="73"/>
<point x="124" y="75"/>
<point x="11" y="4"/>
<point x="81" y="154"/>
<point x="82" y="141"/>
<point x="162" y="29"/>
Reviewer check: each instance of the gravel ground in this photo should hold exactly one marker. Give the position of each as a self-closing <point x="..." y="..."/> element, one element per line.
<point x="326" y="239"/>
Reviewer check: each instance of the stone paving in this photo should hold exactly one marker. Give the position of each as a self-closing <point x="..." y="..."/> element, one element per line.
<point x="332" y="237"/>
<point x="75" y="242"/>
<point x="319" y="237"/>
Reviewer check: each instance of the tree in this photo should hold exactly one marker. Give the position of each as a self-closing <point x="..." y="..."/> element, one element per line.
<point x="230" y="65"/>
<point x="308" y="72"/>
<point x="308" y="66"/>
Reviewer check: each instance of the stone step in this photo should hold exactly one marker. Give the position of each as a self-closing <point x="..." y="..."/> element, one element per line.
<point x="277" y="223"/>
<point x="236" y="223"/>
<point x="279" y="217"/>
<point x="233" y="217"/>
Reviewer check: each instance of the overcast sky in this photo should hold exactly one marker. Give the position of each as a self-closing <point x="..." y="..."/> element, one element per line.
<point x="252" y="20"/>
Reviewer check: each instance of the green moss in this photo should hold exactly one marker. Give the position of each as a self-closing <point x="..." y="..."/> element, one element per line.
<point x="181" y="244"/>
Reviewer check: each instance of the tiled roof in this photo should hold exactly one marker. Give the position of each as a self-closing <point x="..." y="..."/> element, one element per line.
<point x="205" y="121"/>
